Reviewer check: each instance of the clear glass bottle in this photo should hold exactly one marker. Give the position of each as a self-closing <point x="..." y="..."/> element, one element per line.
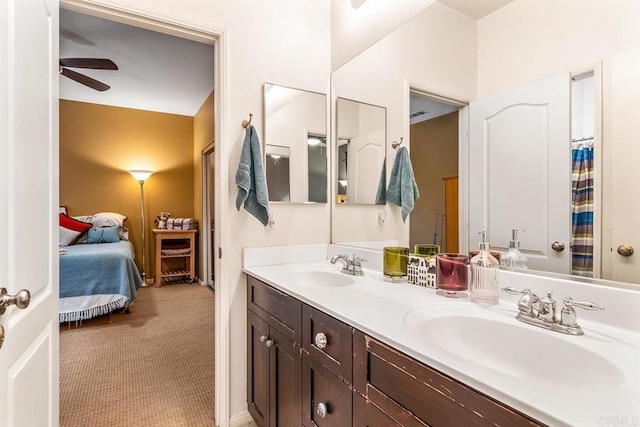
<point x="514" y="259"/>
<point x="484" y="287"/>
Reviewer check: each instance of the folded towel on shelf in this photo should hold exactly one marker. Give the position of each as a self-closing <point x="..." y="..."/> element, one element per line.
<point x="381" y="194"/>
<point x="403" y="190"/>
<point x="251" y="180"/>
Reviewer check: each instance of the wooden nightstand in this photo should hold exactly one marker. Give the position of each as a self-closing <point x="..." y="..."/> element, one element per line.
<point x="172" y="262"/>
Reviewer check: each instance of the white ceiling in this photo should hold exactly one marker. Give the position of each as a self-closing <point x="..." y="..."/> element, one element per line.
<point x="475" y="8"/>
<point x="423" y="108"/>
<point x="157" y="72"/>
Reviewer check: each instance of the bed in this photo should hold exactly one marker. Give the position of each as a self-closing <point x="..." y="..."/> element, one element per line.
<point x="96" y="279"/>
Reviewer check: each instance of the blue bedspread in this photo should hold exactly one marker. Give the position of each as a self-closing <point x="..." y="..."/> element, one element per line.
<point x="101" y="268"/>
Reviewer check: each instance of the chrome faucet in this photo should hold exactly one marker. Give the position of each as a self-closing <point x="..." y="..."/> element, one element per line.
<point x="350" y="266"/>
<point x="541" y="312"/>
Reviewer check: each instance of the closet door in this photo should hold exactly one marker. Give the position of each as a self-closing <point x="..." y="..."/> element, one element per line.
<point x="520" y="171"/>
<point x="625" y="176"/>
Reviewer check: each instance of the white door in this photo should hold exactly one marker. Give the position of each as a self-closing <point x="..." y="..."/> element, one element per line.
<point x="520" y="171"/>
<point x="625" y="175"/>
<point x="28" y="210"/>
<point x="362" y="178"/>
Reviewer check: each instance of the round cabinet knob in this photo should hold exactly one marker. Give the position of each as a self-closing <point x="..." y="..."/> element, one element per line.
<point x="321" y="410"/>
<point x="263" y="338"/>
<point x="321" y="340"/>
<point x="557" y="246"/>
<point x="268" y="343"/>
<point x="625" y="250"/>
<point x="20" y="300"/>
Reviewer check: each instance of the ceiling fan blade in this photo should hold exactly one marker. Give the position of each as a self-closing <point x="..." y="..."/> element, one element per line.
<point x="94" y="63"/>
<point x="85" y="80"/>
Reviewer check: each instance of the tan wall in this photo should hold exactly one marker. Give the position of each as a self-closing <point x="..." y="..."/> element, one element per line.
<point x="434" y="155"/>
<point x="203" y="135"/>
<point x="98" y="144"/>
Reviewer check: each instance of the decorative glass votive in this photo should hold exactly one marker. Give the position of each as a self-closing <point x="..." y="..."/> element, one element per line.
<point x="452" y="275"/>
<point x="424" y="249"/>
<point x="395" y="263"/>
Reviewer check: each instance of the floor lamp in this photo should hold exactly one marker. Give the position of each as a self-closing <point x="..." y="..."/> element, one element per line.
<point x="141" y="176"/>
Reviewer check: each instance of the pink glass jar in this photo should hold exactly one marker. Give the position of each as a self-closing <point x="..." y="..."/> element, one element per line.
<point x="452" y="274"/>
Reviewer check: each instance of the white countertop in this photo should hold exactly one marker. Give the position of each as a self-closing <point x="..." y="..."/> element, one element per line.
<point x="381" y="309"/>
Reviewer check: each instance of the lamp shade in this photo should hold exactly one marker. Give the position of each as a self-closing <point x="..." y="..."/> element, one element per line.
<point x="140" y="175"/>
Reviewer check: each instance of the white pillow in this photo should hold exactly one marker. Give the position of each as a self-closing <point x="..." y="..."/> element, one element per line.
<point x="108" y="219"/>
<point x="67" y="236"/>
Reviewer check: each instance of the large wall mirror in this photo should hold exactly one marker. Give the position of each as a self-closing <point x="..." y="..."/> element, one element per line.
<point x="466" y="63"/>
<point x="360" y="152"/>
<point x="295" y="145"/>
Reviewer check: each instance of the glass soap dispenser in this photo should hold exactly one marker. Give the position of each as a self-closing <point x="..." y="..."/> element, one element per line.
<point x="514" y="259"/>
<point x="484" y="287"/>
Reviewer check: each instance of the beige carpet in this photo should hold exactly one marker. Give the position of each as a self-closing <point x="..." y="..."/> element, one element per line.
<point x="152" y="367"/>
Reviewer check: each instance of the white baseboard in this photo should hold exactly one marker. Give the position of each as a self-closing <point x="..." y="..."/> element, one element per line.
<point x="241" y="420"/>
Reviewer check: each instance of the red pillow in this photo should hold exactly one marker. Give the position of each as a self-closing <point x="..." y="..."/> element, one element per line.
<point x="75" y="225"/>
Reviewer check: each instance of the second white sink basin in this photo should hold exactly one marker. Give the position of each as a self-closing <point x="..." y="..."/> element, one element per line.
<point x="493" y="339"/>
<point x="319" y="278"/>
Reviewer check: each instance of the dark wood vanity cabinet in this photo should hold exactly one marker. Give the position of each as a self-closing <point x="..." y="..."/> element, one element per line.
<point x="307" y="368"/>
<point x="413" y="394"/>
<point x="274" y="365"/>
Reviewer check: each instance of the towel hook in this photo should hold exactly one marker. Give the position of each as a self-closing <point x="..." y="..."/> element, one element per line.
<point x="246" y="123"/>
<point x="396" y="144"/>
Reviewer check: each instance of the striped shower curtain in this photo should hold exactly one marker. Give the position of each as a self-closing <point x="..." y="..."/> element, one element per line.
<point x="582" y="210"/>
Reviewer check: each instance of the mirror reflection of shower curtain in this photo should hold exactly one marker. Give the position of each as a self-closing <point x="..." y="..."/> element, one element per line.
<point x="582" y="208"/>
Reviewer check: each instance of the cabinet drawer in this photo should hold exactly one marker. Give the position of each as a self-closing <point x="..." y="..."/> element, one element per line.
<point x="414" y="394"/>
<point x="280" y="310"/>
<point x="335" y="354"/>
<point x="320" y="387"/>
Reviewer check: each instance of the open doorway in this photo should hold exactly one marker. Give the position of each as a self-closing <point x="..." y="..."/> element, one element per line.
<point x="117" y="368"/>
<point x="434" y="136"/>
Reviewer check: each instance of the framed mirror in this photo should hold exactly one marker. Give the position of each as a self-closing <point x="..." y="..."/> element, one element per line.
<point x="361" y="152"/>
<point x="295" y="145"/>
<point x="468" y="60"/>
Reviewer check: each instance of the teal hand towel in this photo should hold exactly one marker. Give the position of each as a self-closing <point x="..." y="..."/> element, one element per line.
<point x="381" y="194"/>
<point x="251" y="180"/>
<point x="403" y="190"/>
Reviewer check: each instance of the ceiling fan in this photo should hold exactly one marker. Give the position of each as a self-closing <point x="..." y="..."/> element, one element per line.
<point x="93" y="63"/>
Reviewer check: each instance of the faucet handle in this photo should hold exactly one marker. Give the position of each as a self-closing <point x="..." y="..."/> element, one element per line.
<point x="515" y="291"/>
<point x="568" y="301"/>
<point x="568" y="315"/>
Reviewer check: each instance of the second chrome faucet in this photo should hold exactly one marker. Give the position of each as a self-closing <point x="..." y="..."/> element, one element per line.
<point x="351" y="266"/>
<point x="541" y="312"/>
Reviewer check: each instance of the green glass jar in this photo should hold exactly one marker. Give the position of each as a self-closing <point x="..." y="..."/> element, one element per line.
<point x="396" y="259"/>
<point x="424" y="249"/>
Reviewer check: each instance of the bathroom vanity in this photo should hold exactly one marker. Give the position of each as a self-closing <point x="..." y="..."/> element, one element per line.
<point x="346" y="377"/>
<point x="325" y="348"/>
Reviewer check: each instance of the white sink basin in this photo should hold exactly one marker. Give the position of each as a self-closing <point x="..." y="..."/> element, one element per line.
<point x="495" y="340"/>
<point x="319" y="278"/>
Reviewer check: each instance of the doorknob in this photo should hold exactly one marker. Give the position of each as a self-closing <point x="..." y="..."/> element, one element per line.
<point x="557" y="246"/>
<point x="20" y="300"/>
<point x="625" y="250"/>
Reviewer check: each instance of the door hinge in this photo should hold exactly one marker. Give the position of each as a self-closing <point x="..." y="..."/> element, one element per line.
<point x="219" y="252"/>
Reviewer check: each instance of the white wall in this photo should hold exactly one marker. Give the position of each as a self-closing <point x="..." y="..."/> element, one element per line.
<point x="354" y="30"/>
<point x="434" y="50"/>
<point x="528" y="40"/>
<point x="284" y="41"/>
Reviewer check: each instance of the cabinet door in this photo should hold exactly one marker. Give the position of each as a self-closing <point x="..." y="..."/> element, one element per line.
<point x="366" y="414"/>
<point x="326" y="399"/>
<point x="258" y="369"/>
<point x="285" y="381"/>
